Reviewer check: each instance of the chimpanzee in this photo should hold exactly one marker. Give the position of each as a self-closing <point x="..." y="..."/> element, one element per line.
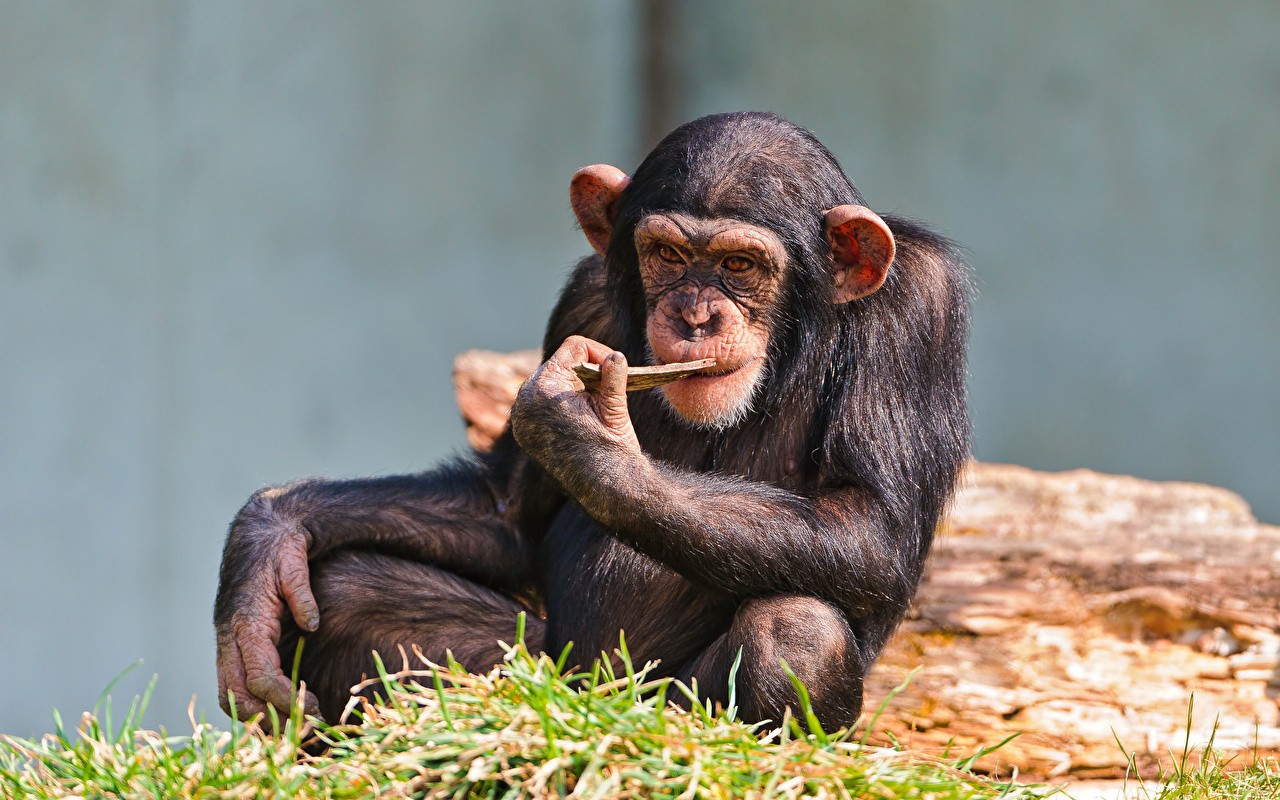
<point x="780" y="505"/>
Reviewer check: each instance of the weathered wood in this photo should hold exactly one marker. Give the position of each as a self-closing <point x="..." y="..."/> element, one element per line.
<point x="1081" y="608"/>
<point x="486" y="383"/>
<point x="1075" y="608"/>
<point x="646" y="377"/>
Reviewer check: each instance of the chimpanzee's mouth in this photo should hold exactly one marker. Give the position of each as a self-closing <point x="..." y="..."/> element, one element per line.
<point x="720" y="372"/>
<point x="710" y="372"/>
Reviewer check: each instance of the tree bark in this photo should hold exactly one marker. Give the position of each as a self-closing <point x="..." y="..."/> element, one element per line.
<point x="1078" y="610"/>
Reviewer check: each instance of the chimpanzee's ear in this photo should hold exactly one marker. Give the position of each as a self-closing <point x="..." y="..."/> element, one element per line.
<point x="593" y="192"/>
<point x="861" y="250"/>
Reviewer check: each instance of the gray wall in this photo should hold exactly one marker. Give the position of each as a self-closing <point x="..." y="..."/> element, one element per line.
<point x="1114" y="171"/>
<point x="241" y="243"/>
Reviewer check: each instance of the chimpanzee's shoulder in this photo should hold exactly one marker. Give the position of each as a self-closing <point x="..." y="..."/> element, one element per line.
<point x="582" y="309"/>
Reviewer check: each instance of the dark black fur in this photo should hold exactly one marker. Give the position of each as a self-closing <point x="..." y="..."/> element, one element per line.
<point x="799" y="534"/>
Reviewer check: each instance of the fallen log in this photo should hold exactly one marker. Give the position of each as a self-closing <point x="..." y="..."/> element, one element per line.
<point x="1078" y="610"/>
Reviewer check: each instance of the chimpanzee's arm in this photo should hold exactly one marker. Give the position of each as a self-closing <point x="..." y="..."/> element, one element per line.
<point x="749" y="538"/>
<point x="451" y="516"/>
<point x="742" y="537"/>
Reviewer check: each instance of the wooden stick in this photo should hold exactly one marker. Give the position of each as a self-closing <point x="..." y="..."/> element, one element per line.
<point x="646" y="377"/>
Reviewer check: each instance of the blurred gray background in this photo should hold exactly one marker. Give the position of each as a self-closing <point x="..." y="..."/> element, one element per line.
<point x="241" y="243"/>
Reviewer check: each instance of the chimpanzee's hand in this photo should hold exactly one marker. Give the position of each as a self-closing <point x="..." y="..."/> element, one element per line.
<point x="264" y="568"/>
<point x="551" y="408"/>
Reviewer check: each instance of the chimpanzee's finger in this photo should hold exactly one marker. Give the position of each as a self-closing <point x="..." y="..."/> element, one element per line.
<point x="613" y="378"/>
<point x="295" y="584"/>
<point x="556" y="376"/>
<point x="263" y="675"/>
<point x="231" y="679"/>
<point x="273" y="688"/>
<point x="579" y="349"/>
<point x="611" y="394"/>
<point x="247" y="704"/>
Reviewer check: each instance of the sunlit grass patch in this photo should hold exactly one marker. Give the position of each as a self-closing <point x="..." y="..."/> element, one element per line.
<point x="1203" y="773"/>
<point x="527" y="729"/>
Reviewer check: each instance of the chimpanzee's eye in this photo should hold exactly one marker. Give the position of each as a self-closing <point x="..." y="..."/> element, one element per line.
<point x="738" y="263"/>
<point x="670" y="255"/>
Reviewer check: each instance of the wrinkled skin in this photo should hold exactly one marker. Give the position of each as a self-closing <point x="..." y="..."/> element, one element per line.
<point x="552" y="410"/>
<point x="709" y="287"/>
<point x="279" y="578"/>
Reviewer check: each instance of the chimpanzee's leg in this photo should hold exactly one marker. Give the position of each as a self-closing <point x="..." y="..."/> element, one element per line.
<point x="813" y="638"/>
<point x="371" y="601"/>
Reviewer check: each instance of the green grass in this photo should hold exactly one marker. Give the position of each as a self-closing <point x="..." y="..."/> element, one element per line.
<point x="1216" y="779"/>
<point x="525" y="730"/>
<point x="1206" y="774"/>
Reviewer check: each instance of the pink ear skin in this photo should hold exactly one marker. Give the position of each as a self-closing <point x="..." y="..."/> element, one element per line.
<point x="861" y="250"/>
<point x="593" y="193"/>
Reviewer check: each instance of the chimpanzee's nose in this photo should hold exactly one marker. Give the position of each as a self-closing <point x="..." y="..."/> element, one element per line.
<point x="702" y="317"/>
<point x="697" y="314"/>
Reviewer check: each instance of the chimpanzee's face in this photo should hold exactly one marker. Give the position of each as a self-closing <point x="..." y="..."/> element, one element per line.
<point x="710" y="286"/>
